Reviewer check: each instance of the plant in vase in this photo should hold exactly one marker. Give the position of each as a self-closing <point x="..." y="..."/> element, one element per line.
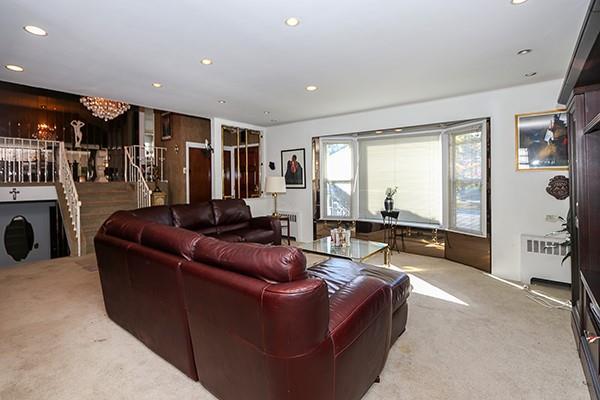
<point x="389" y="198"/>
<point x="566" y="229"/>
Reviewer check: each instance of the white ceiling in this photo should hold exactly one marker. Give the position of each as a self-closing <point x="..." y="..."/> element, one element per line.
<point x="362" y="54"/>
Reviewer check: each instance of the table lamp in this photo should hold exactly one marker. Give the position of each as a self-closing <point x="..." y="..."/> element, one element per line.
<point x="275" y="185"/>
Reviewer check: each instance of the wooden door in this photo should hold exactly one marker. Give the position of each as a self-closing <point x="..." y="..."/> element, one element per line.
<point x="199" y="175"/>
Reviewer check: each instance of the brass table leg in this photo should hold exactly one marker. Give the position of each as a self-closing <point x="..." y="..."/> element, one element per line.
<point x="386" y="256"/>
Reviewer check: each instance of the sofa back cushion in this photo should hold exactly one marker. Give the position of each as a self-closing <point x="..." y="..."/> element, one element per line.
<point x="269" y="263"/>
<point x="195" y="216"/>
<point x="179" y="242"/>
<point x="158" y="214"/>
<point x="124" y="225"/>
<point x="231" y="212"/>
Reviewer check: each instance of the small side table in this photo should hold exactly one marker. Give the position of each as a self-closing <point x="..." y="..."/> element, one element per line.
<point x="287" y="226"/>
<point x="390" y="222"/>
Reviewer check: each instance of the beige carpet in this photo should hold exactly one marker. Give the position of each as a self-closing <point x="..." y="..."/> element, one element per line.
<point x="469" y="337"/>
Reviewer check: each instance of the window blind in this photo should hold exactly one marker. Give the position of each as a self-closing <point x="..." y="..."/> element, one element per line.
<point x="413" y="164"/>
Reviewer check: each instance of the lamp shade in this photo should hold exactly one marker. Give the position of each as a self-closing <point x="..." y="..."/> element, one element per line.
<point x="275" y="184"/>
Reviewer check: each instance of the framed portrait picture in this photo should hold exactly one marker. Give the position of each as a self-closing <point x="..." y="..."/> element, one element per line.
<point x="542" y="141"/>
<point x="165" y="126"/>
<point x="292" y="168"/>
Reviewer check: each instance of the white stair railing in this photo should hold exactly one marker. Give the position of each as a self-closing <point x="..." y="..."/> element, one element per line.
<point x="65" y="177"/>
<point x="150" y="160"/>
<point x="134" y="174"/>
<point x="27" y="160"/>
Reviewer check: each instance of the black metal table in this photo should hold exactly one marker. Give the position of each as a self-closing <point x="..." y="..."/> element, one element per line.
<point x="390" y="225"/>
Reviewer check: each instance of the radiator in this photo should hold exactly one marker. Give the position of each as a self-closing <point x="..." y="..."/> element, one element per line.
<point x="294" y="218"/>
<point x="541" y="258"/>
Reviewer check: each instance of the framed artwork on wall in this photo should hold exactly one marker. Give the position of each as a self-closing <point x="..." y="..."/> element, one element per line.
<point x="542" y="141"/>
<point x="165" y="125"/>
<point x="292" y="168"/>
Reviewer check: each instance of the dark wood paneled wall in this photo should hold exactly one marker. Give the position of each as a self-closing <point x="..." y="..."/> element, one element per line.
<point x="184" y="129"/>
<point x="22" y="108"/>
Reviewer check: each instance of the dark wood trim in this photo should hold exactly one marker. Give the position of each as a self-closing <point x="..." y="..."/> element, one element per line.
<point x="585" y="43"/>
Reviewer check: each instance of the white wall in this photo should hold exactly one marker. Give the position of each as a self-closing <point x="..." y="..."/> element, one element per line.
<point x="519" y="200"/>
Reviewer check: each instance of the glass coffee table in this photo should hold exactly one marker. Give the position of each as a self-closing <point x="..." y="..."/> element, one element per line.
<point x="358" y="249"/>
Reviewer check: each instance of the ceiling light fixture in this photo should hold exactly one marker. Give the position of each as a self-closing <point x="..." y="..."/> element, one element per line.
<point x="206" y="61"/>
<point x="157" y="85"/>
<point x="530" y="74"/>
<point x="104" y="108"/>
<point x="523" y="52"/>
<point x="35" y="30"/>
<point x="398" y="130"/>
<point x="267" y="113"/>
<point x="311" y="88"/>
<point x="15" y="68"/>
<point x="292" y="21"/>
<point x="222" y="102"/>
<point x="517" y="2"/>
<point x="378" y="131"/>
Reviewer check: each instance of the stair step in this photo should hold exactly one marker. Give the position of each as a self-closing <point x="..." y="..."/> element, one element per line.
<point x="103" y="196"/>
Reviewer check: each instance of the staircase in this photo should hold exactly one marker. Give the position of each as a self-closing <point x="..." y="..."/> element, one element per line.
<point x="98" y="202"/>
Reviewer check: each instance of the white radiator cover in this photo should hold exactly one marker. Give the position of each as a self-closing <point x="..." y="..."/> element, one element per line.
<point x="541" y="258"/>
<point x="294" y="223"/>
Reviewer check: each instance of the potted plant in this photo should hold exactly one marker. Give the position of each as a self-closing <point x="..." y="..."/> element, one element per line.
<point x="389" y="198"/>
<point x="566" y="229"/>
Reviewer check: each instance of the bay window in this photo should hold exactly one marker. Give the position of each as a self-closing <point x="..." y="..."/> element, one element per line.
<point x="440" y="177"/>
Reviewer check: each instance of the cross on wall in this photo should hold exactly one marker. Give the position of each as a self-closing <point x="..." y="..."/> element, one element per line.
<point x="14" y="193"/>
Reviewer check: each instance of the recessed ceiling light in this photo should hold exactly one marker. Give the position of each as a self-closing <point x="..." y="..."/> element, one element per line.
<point x="524" y="51"/>
<point x="206" y="61"/>
<point x="35" y="30"/>
<point x="267" y="113"/>
<point x="15" y="68"/>
<point x="517" y="2"/>
<point x="157" y="85"/>
<point x="311" y="88"/>
<point x="530" y="74"/>
<point x="378" y="131"/>
<point x="222" y="102"/>
<point x="398" y="130"/>
<point x="292" y="21"/>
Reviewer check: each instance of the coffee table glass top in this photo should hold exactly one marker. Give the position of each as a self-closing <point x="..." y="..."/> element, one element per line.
<point x="358" y="249"/>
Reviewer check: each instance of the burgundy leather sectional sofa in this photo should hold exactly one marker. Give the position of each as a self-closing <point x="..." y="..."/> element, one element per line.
<point x="249" y="321"/>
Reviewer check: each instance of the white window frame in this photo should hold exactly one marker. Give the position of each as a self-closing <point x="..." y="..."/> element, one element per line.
<point x="449" y="176"/>
<point x="323" y="172"/>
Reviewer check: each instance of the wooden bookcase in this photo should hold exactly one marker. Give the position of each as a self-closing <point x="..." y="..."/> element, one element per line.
<point x="581" y="94"/>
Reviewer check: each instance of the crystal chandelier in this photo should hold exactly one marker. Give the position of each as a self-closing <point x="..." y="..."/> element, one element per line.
<point x="104" y="108"/>
<point x="45" y="132"/>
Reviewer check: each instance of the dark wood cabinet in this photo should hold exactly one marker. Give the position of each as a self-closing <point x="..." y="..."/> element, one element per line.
<point x="581" y="94"/>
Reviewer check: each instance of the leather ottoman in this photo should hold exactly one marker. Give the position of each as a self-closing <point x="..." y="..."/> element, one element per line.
<point x="338" y="272"/>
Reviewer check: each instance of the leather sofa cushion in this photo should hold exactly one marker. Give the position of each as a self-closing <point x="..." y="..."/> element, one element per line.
<point x="124" y="225"/>
<point x="193" y="216"/>
<point x="269" y="263"/>
<point x="169" y="239"/>
<point x="255" y="235"/>
<point x="229" y="237"/>
<point x="230" y="212"/>
<point x="158" y="214"/>
<point x="337" y="273"/>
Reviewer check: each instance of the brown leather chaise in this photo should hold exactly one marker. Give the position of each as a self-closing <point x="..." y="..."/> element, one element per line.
<point x="248" y="320"/>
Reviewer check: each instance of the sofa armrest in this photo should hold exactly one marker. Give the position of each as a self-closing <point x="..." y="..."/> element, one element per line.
<point x="266" y="222"/>
<point x="356" y="307"/>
